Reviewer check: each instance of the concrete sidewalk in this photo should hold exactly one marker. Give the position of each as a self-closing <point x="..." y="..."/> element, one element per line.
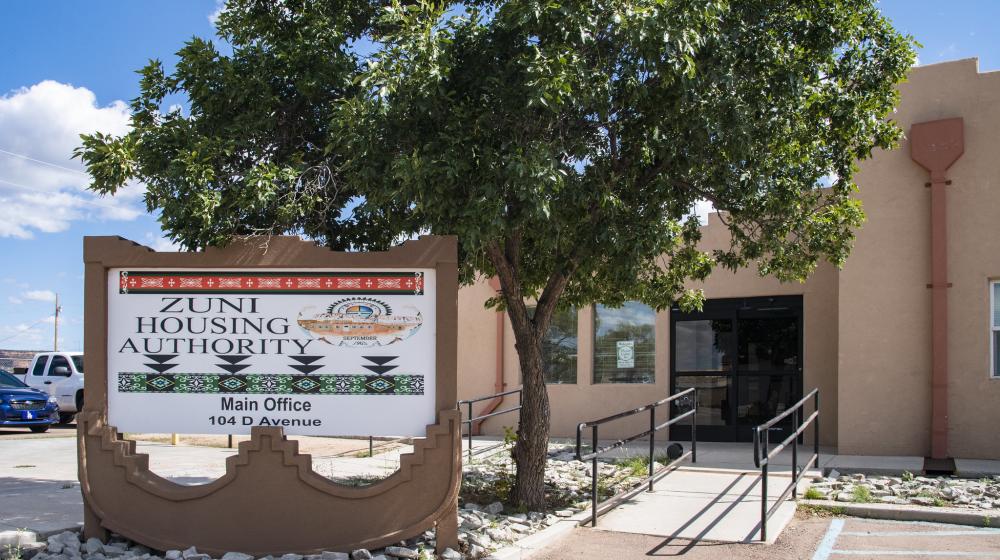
<point x="709" y="505"/>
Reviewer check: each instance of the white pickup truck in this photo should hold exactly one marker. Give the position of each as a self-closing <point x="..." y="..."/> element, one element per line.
<point x="60" y="374"/>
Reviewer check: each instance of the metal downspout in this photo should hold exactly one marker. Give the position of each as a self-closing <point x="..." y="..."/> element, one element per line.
<point x="935" y="146"/>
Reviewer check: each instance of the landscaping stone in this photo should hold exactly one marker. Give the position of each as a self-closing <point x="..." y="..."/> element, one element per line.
<point x="361" y="554"/>
<point x="401" y="552"/>
<point x="236" y="556"/>
<point x="945" y="491"/>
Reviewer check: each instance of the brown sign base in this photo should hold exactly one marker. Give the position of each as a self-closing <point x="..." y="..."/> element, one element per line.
<point x="269" y="501"/>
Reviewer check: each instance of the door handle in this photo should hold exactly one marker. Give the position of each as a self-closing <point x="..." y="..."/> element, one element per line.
<point x="48" y="383"/>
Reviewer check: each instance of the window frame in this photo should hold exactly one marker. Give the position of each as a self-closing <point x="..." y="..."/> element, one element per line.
<point x="593" y="357"/>
<point x="994" y="328"/>
<point x="576" y="358"/>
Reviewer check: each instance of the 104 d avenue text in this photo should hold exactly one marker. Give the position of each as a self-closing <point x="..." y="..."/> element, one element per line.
<point x="269" y="404"/>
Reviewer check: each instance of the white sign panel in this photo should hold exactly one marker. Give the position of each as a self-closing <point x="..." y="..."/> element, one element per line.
<point x="626" y="354"/>
<point x="316" y="352"/>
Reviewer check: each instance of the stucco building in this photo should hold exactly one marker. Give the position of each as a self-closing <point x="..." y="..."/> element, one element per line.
<point x="864" y="335"/>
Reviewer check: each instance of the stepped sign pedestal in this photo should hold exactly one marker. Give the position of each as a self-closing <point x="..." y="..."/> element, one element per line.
<point x="270" y="338"/>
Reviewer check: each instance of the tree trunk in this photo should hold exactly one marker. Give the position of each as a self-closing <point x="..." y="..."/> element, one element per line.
<point x="531" y="449"/>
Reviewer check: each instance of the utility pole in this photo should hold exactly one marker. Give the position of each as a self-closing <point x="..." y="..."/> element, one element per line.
<point x="55" y="336"/>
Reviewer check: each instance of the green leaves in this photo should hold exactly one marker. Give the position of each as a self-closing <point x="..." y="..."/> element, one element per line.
<point x="576" y="136"/>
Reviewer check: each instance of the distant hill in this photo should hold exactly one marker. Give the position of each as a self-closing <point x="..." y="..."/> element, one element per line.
<point x="10" y="359"/>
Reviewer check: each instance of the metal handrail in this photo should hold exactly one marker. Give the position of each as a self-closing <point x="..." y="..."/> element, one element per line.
<point x="762" y="454"/>
<point x="596" y="451"/>
<point x="470" y="419"/>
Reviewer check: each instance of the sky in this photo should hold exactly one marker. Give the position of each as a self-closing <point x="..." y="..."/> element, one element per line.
<point x="68" y="68"/>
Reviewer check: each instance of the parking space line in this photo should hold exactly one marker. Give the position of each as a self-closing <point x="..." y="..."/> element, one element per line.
<point x="981" y="532"/>
<point x="954" y="553"/>
<point x="829" y="539"/>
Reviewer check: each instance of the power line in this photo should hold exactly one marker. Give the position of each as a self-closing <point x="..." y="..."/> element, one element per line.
<point x="26" y="330"/>
<point x="42" y="162"/>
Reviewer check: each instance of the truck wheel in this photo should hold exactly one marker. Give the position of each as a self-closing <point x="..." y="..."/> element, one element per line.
<point x="39" y="429"/>
<point x="79" y="401"/>
<point x="66" y="417"/>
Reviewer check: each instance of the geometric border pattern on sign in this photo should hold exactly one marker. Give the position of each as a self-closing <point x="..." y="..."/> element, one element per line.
<point x="223" y="282"/>
<point x="270" y="384"/>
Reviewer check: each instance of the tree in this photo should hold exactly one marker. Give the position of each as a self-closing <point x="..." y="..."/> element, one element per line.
<point x="564" y="143"/>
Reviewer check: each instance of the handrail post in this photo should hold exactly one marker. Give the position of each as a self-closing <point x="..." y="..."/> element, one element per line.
<point x="652" y="443"/>
<point x="763" y="486"/>
<point x="593" y="479"/>
<point x="795" y="455"/>
<point x="694" y="429"/>
<point x="816" y="429"/>
<point x="470" y="432"/>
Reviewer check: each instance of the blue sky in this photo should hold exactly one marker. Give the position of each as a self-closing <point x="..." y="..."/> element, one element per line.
<point x="69" y="67"/>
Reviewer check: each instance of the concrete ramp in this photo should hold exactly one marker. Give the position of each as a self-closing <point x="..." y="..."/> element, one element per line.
<point x="703" y="504"/>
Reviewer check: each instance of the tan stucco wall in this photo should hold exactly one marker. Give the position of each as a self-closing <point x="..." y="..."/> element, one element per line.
<point x="819" y="320"/>
<point x="867" y="327"/>
<point x="575" y="403"/>
<point x="885" y="312"/>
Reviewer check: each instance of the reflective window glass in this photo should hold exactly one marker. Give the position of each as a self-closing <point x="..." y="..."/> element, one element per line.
<point x="703" y="345"/>
<point x="624" y="343"/>
<point x="769" y="344"/>
<point x="559" y="348"/>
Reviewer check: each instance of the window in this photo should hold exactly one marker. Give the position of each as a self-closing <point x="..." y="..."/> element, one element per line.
<point x="559" y="348"/>
<point x="59" y="361"/>
<point x="995" y="328"/>
<point x="78" y="363"/>
<point x="703" y="345"/>
<point x="40" y="365"/>
<point x="624" y="343"/>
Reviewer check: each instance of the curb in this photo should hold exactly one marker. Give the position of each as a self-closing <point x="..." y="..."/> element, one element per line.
<point x="894" y="512"/>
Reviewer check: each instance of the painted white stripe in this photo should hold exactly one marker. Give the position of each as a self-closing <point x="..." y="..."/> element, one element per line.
<point x="953" y="553"/>
<point x="825" y="547"/>
<point x="981" y="532"/>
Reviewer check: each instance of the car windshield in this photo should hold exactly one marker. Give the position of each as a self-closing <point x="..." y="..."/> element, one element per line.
<point x="9" y="381"/>
<point x="78" y="363"/>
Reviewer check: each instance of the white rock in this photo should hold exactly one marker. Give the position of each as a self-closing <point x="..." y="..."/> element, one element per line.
<point x="21" y="538"/>
<point x="450" y="554"/>
<point x="172" y="555"/>
<point x="93" y="546"/>
<point x="564" y="513"/>
<point x="401" y="552"/>
<point x="494" y="508"/>
<point x="236" y="556"/>
<point x="361" y="554"/>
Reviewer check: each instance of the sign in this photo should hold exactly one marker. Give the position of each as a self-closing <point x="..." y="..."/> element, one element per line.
<point x="313" y="351"/>
<point x="626" y="354"/>
<point x="294" y="339"/>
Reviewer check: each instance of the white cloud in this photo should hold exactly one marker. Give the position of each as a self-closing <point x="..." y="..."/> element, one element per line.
<point x="41" y="188"/>
<point x="14" y="300"/>
<point x="21" y="335"/>
<point x="40" y="295"/>
<point x="213" y="17"/>
<point x="160" y="243"/>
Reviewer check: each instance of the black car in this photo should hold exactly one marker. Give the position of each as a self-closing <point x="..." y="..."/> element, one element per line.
<point x="24" y="407"/>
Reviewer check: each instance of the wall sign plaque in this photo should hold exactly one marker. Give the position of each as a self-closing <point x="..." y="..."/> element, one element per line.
<point x="293" y="340"/>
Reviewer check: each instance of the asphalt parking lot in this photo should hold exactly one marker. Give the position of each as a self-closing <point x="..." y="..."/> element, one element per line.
<point x="806" y="538"/>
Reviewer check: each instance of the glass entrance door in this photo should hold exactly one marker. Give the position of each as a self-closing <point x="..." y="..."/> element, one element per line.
<point x="745" y="358"/>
